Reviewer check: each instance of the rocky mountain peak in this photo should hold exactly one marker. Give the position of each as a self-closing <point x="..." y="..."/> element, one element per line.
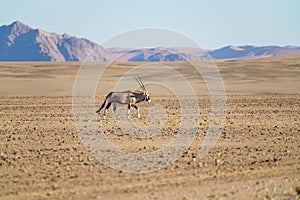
<point x="19" y="42"/>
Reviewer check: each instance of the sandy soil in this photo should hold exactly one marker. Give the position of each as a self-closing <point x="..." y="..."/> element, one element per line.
<point x="264" y="76"/>
<point x="256" y="157"/>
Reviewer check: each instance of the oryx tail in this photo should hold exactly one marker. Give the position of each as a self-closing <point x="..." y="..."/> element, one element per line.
<point x="102" y="106"/>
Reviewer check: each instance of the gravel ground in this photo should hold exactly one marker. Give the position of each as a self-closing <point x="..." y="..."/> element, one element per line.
<point x="257" y="156"/>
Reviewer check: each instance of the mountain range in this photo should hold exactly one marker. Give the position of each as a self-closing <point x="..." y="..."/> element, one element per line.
<point x="19" y="42"/>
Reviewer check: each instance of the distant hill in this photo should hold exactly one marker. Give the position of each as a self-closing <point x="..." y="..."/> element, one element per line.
<point x="253" y="52"/>
<point x="179" y="54"/>
<point x="19" y="42"/>
<point x="159" y="54"/>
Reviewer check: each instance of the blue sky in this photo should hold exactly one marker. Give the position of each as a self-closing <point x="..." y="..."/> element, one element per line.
<point x="211" y="23"/>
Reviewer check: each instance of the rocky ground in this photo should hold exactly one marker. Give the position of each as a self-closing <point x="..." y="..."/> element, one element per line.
<point x="256" y="157"/>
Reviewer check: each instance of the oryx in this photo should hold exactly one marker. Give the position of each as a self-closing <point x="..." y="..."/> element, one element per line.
<point x="126" y="97"/>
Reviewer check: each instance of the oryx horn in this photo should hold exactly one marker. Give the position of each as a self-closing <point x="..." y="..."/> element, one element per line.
<point x="138" y="79"/>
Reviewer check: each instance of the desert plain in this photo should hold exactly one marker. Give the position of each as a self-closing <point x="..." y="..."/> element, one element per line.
<point x="42" y="155"/>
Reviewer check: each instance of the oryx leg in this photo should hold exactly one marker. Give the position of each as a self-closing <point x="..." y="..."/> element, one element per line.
<point x="138" y="111"/>
<point x="115" y="110"/>
<point x="106" y="108"/>
<point x="128" y="111"/>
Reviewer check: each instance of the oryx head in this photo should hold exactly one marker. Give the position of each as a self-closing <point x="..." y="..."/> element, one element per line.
<point x="147" y="96"/>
